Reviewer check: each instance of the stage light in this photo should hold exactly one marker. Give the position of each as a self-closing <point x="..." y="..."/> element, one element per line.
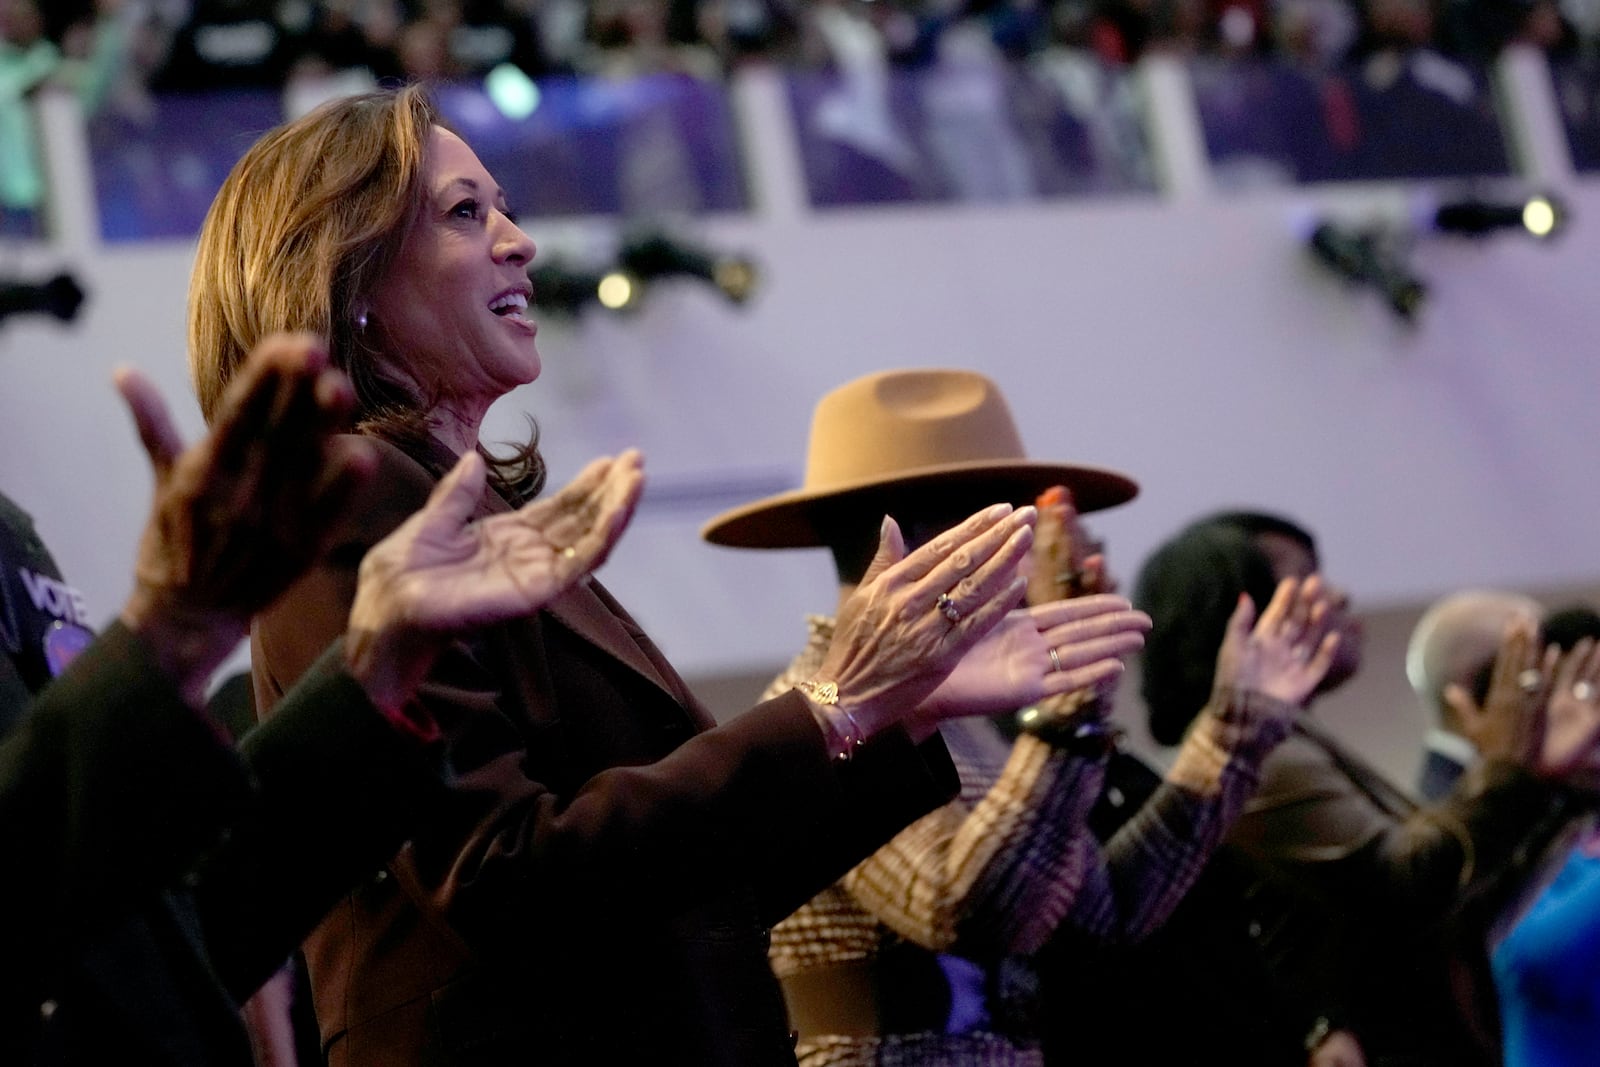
<point x="563" y="289"/>
<point x="1540" y="216"/>
<point x="617" y="290"/>
<point x="512" y="91"/>
<point x="60" y="296"/>
<point x="569" y="290"/>
<point x="1366" y="259"/>
<point x="642" y="259"/>
<point x="652" y="254"/>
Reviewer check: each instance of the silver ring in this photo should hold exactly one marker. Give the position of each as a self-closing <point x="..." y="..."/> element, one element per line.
<point x="1529" y="680"/>
<point x="1055" y="663"/>
<point x="1301" y="653"/>
<point x="947" y="607"/>
<point x="1584" y="691"/>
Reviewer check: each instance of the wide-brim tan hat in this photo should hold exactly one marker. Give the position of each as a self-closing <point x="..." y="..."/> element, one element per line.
<point x="903" y="430"/>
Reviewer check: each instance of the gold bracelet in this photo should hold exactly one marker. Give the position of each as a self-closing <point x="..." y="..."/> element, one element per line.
<point x="824" y="693"/>
<point x="844" y="737"/>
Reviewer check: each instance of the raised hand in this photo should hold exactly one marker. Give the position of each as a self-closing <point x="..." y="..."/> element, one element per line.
<point x="1040" y="652"/>
<point x="1572" y="714"/>
<point x="1065" y="561"/>
<point x="1510" y="722"/>
<point x="913" y="616"/>
<point x="440" y="573"/>
<point x="238" y="516"/>
<point x="1284" y="654"/>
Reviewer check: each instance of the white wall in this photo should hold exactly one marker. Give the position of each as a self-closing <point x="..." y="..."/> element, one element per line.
<point x="1188" y="339"/>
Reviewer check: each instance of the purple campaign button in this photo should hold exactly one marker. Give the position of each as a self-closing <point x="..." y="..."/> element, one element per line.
<point x="62" y="643"/>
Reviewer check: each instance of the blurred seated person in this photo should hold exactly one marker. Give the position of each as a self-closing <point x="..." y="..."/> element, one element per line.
<point x="355" y="34"/>
<point x="229" y="44"/>
<point x="742" y="32"/>
<point x="633" y="38"/>
<point x="480" y="35"/>
<point x="1480" y="29"/>
<point x="166" y="874"/>
<point x="1448" y="662"/>
<point x="1325" y="931"/>
<point x="921" y="953"/>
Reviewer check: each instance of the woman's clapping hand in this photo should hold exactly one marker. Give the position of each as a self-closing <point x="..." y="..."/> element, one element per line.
<point x="913" y="616"/>
<point x="1285" y="653"/>
<point x="1034" y="653"/>
<point x="440" y="572"/>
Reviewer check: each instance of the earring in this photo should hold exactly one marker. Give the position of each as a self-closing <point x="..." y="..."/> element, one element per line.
<point x="361" y="319"/>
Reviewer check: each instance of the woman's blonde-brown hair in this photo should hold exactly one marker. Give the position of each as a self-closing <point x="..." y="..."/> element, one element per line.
<point x="298" y="238"/>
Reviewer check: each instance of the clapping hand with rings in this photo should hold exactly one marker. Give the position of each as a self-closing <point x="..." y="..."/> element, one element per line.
<point x="1039" y="652"/>
<point x="1286" y="652"/>
<point x="914" y="615"/>
<point x="1572" y="714"/>
<point x="1510" y="722"/>
<point x="444" y="571"/>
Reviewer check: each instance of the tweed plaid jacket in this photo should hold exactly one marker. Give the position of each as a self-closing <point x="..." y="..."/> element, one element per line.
<point x="990" y="876"/>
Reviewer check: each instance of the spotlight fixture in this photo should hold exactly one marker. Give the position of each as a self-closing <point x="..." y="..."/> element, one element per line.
<point x="644" y="258"/>
<point x="569" y="290"/>
<point x="60" y="296"/>
<point x="1540" y="216"/>
<point x="653" y="254"/>
<point x="1368" y="259"/>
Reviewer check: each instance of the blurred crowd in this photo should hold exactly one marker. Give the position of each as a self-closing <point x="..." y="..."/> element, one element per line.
<point x="986" y="58"/>
<point x="107" y="47"/>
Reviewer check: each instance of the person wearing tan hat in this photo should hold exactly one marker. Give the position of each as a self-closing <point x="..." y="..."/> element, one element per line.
<point x="921" y="954"/>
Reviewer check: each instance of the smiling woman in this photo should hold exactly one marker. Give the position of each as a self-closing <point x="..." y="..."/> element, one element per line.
<point x="450" y="310"/>
<point x="598" y="885"/>
<point x="380" y="230"/>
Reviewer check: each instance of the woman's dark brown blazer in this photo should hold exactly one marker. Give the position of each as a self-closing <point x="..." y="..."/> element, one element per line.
<point x="598" y="883"/>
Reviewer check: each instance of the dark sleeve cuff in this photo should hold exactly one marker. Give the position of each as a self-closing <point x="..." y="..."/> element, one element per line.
<point x="339" y="789"/>
<point x="149" y="782"/>
<point x="837" y="813"/>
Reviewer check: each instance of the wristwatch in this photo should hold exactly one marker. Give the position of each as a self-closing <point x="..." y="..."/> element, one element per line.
<point x="1081" y="732"/>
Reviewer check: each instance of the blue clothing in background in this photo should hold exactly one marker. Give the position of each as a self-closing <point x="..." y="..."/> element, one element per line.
<point x="1547" y="971"/>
